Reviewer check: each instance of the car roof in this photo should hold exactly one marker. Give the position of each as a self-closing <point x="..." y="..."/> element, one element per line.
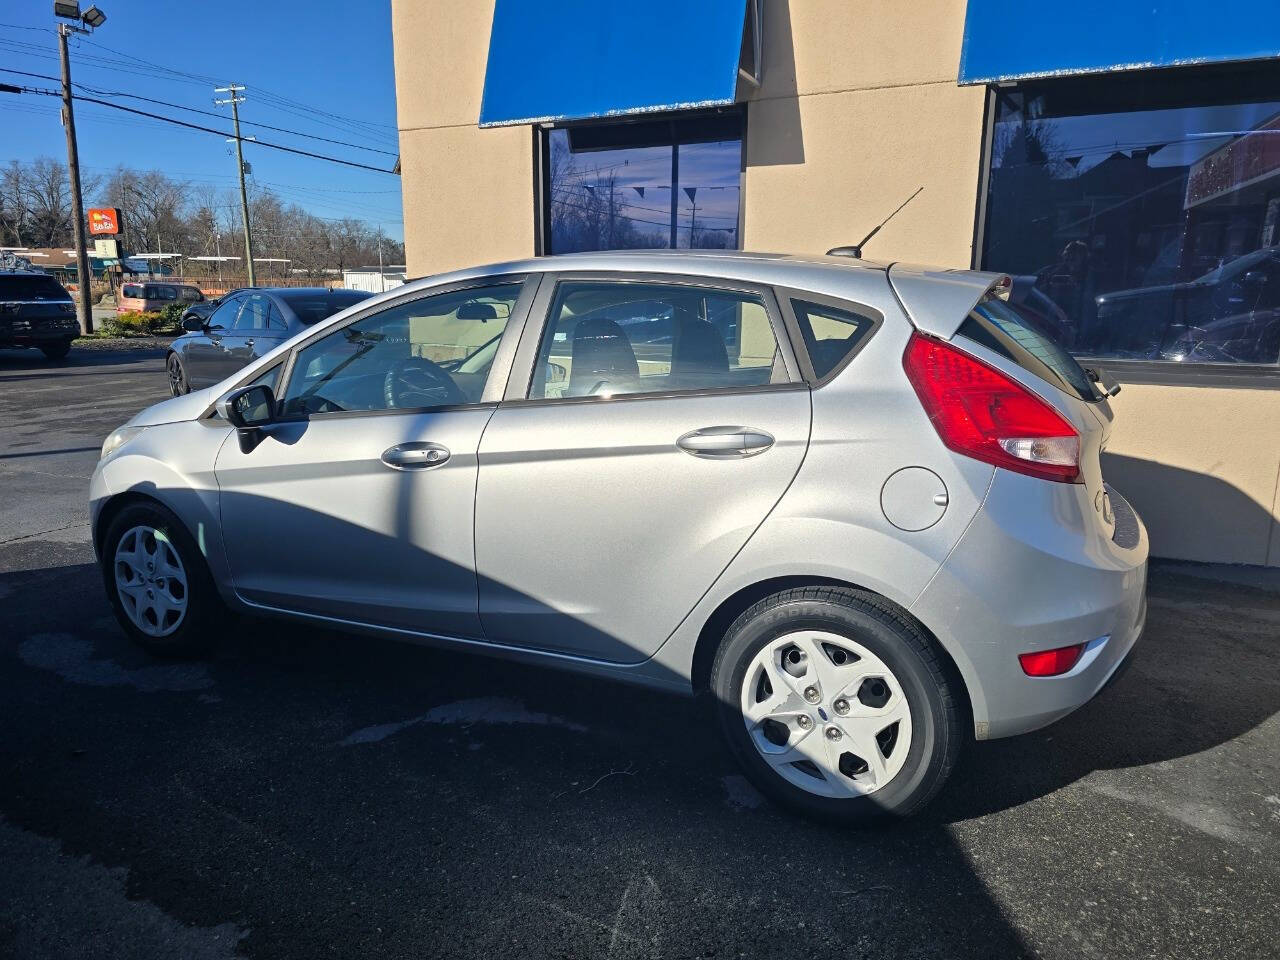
<point x="936" y="300"/>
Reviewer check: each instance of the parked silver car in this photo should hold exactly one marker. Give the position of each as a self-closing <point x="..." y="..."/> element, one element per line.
<point x="860" y="506"/>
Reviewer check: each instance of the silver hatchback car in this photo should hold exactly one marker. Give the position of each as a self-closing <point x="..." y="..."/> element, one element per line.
<point x="859" y="506"/>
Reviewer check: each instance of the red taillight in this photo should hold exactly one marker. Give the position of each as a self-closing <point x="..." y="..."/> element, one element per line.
<point x="1050" y="663"/>
<point x="980" y="412"/>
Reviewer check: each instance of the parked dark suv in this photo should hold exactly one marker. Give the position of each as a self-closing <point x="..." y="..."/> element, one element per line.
<point x="37" y="311"/>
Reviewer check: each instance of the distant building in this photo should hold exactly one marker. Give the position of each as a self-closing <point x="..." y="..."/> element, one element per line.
<point x="372" y="281"/>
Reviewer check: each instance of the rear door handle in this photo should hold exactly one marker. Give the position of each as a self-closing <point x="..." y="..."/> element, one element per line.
<point x="415" y="456"/>
<point x="725" y="443"/>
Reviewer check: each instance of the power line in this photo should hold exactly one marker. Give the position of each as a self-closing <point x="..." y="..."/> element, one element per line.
<point x="206" y="113"/>
<point x="221" y="133"/>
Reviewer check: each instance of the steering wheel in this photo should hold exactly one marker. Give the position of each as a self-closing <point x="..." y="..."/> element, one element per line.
<point x="418" y="382"/>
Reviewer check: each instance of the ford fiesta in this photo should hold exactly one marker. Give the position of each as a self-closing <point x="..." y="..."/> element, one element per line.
<point x="859" y="506"/>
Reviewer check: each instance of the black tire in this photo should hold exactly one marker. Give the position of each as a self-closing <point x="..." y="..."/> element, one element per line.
<point x="178" y="385"/>
<point x="56" y="351"/>
<point x="937" y="724"/>
<point x="204" y="608"/>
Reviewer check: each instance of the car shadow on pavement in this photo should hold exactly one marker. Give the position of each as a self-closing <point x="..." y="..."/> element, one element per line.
<point x="330" y="792"/>
<point x="327" y="791"/>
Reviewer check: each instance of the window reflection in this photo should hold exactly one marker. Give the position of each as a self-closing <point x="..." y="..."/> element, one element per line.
<point x="1149" y="231"/>
<point x="626" y="191"/>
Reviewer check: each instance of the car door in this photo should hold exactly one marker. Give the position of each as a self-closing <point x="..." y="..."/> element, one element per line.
<point x="619" y="478"/>
<point x="357" y="504"/>
<point x="251" y="334"/>
<point x="204" y="353"/>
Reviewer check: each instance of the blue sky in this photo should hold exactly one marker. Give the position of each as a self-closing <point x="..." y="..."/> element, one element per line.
<point x="295" y="58"/>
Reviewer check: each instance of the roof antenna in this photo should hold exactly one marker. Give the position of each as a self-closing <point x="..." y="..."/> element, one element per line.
<point x="855" y="251"/>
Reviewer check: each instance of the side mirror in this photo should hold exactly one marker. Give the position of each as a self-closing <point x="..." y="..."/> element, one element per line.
<point x="249" y="407"/>
<point x="192" y="324"/>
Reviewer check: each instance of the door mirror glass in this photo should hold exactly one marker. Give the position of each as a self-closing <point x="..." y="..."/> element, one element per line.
<point x="192" y="324"/>
<point x="249" y="407"/>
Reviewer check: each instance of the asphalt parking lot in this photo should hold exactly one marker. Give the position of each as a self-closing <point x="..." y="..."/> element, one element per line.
<point x="307" y="794"/>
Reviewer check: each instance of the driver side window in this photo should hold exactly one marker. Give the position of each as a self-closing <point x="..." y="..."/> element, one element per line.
<point x="435" y="351"/>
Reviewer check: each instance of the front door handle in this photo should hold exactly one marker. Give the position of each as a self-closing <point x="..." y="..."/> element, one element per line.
<point x="415" y="456"/>
<point x="249" y="343"/>
<point x="725" y="443"/>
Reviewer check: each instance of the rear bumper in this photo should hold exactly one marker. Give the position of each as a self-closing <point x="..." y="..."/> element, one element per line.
<point x="1036" y="570"/>
<point x="35" y="333"/>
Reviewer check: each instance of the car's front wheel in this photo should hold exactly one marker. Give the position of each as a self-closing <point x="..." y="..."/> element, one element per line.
<point x="836" y="704"/>
<point x="178" y="385"/>
<point x="157" y="581"/>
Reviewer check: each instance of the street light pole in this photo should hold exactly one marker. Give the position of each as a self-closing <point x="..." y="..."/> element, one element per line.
<point x="85" y="306"/>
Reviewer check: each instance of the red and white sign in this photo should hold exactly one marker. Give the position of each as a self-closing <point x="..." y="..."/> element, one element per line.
<point x="104" y="220"/>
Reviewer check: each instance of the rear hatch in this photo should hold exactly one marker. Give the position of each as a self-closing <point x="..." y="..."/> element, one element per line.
<point x="968" y="308"/>
<point x="35" y="305"/>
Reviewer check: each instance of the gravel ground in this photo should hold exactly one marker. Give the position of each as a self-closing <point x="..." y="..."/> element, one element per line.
<point x="307" y="794"/>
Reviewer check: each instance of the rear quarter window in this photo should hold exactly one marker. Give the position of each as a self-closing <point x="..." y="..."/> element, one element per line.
<point x="831" y="334"/>
<point x="1002" y="327"/>
<point x="131" y="290"/>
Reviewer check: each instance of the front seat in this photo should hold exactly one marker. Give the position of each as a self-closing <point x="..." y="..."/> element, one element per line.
<point x="698" y="355"/>
<point x="602" y="358"/>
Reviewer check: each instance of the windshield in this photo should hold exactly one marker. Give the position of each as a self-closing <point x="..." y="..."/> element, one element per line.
<point x="313" y="307"/>
<point x="18" y="286"/>
<point x="1001" y="327"/>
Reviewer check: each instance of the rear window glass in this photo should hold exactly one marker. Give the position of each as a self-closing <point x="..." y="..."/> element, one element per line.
<point x="1002" y="327"/>
<point x="829" y="334"/>
<point x="17" y="286"/>
<point x="314" y="307"/>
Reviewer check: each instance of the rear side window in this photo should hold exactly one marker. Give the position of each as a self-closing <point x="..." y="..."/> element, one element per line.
<point x="613" y="338"/>
<point x="1002" y="327"/>
<point x="131" y="290"/>
<point x="31" y="287"/>
<point x="830" y="335"/>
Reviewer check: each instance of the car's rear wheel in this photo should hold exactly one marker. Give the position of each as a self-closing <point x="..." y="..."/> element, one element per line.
<point x="836" y="704"/>
<point x="157" y="581"/>
<point x="57" y="351"/>
<point x="177" y="376"/>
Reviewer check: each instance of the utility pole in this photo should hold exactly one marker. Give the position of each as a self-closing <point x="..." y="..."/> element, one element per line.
<point x="85" y="306"/>
<point x="382" y="277"/>
<point x="235" y="102"/>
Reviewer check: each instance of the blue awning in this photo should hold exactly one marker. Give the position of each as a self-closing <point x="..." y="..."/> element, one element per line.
<point x="574" y="59"/>
<point x="1015" y="39"/>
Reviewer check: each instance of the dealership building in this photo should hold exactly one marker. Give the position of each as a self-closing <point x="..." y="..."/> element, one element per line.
<point x="1119" y="159"/>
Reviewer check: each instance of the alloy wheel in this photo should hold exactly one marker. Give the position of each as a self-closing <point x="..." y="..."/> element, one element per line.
<point x="177" y="381"/>
<point x="826" y="714"/>
<point x="150" y="581"/>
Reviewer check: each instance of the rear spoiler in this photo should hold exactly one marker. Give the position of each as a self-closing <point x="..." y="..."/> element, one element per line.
<point x="937" y="301"/>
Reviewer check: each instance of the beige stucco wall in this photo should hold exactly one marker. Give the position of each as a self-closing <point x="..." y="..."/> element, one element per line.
<point x="468" y="193"/>
<point x="859" y="107"/>
<point x="1200" y="464"/>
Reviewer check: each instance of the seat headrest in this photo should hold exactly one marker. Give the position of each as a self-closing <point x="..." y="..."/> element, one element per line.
<point x="601" y="351"/>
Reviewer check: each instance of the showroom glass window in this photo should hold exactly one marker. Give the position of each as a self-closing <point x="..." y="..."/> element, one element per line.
<point x="649" y="184"/>
<point x="1140" y="215"/>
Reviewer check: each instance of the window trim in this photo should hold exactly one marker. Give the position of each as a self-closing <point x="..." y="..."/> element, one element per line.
<point x="785" y="297"/>
<point x="520" y="381"/>
<point x="1257" y="376"/>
